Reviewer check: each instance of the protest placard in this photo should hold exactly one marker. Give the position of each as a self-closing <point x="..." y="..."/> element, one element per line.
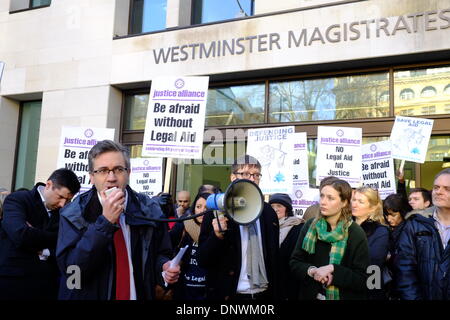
<point x="273" y="147"/>
<point x="303" y="198"/>
<point x="2" y="67"/>
<point x="146" y="175"/>
<point x="74" y="147"/>
<point x="339" y="154"/>
<point x="410" y="137"/>
<point x="378" y="167"/>
<point x="300" y="179"/>
<point x="176" y="117"/>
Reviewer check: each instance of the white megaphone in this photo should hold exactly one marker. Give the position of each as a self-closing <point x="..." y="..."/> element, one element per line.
<point x="242" y="202"/>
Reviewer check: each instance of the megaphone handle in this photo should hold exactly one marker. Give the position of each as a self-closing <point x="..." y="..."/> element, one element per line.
<point x="217" y="213"/>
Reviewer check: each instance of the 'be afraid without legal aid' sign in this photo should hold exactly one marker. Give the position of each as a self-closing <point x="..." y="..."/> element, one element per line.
<point x="74" y="148"/>
<point x="176" y="117"/>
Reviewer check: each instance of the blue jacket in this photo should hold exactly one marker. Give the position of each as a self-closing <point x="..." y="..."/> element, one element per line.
<point x="422" y="265"/>
<point x="86" y="240"/>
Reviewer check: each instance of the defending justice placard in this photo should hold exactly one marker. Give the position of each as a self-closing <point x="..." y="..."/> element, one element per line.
<point x="176" y="117"/>
<point x="378" y="167"/>
<point x="74" y="147"/>
<point x="339" y="154"/>
<point x="146" y="175"/>
<point x="273" y="148"/>
<point x="410" y="137"/>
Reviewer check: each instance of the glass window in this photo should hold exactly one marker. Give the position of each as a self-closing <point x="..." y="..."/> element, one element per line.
<point x="38" y="3"/>
<point x="148" y="15"/>
<point x="135" y="111"/>
<point x="438" y="153"/>
<point x="235" y="105"/>
<point x="205" y="11"/>
<point x="447" y="89"/>
<point x="431" y="83"/>
<point x="348" y="97"/>
<point x="428" y="92"/>
<point x="28" y="144"/>
<point x="406" y="94"/>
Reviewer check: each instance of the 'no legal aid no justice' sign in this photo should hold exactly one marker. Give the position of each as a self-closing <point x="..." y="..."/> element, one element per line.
<point x="176" y="117"/>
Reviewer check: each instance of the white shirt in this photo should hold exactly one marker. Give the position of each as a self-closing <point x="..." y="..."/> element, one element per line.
<point x="46" y="252"/>
<point x="244" y="284"/>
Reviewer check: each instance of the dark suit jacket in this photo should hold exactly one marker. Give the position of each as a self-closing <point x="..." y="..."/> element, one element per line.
<point x="222" y="258"/>
<point x="22" y="274"/>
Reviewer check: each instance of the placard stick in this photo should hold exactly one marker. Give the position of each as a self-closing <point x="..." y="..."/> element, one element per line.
<point x="167" y="175"/>
<point x="402" y="164"/>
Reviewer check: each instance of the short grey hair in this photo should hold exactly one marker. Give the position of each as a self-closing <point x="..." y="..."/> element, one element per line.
<point x="445" y="171"/>
<point x="107" y="146"/>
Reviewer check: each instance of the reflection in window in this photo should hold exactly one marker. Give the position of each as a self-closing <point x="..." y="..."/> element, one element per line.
<point x="407" y="94"/>
<point x="428" y="92"/>
<point x="38" y="3"/>
<point x="447" y="89"/>
<point x="384" y="96"/>
<point x="148" y="15"/>
<point x="432" y="84"/>
<point x="349" y="97"/>
<point x="235" y="105"/>
<point x="205" y="11"/>
<point x="135" y="111"/>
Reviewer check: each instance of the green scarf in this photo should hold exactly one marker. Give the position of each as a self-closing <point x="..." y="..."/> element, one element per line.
<point x="338" y="239"/>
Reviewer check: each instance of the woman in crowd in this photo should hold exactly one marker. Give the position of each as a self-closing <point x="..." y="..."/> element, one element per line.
<point x="192" y="281"/>
<point x="367" y="211"/>
<point x="331" y="256"/>
<point x="395" y="209"/>
<point x="290" y="227"/>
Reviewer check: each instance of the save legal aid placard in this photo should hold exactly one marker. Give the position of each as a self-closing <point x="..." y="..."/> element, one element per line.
<point x="176" y="117"/>
<point x="74" y="147"/>
<point x="378" y="167"/>
<point x="339" y="154"/>
<point x="410" y="137"/>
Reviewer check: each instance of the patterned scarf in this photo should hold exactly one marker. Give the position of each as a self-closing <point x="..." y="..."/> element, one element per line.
<point x="338" y="239"/>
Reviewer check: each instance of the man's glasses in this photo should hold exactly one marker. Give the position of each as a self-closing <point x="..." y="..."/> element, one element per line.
<point x="247" y="175"/>
<point x="103" y="172"/>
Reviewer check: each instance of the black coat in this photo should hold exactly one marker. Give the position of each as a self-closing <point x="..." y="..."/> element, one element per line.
<point x="422" y="265"/>
<point x="288" y="286"/>
<point x="22" y="274"/>
<point x="222" y="258"/>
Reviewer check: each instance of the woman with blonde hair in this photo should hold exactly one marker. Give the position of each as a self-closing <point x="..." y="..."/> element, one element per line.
<point x="367" y="211"/>
<point x="331" y="256"/>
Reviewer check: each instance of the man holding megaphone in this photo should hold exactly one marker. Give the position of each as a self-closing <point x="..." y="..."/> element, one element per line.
<point x="238" y="244"/>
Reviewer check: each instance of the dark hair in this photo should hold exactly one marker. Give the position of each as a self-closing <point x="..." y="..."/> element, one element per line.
<point x="345" y="193"/>
<point x="208" y="188"/>
<point x="327" y="180"/>
<point x="397" y="203"/>
<point x="107" y="146"/>
<point x="65" y="178"/>
<point x="203" y="195"/>
<point x="426" y="194"/>
<point x="243" y="161"/>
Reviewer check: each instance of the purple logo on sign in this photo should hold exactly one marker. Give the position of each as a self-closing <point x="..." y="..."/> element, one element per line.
<point x="340" y="133"/>
<point x="88" y="133"/>
<point x="298" y="194"/>
<point x="179" y="83"/>
<point x="373" y="148"/>
<point x="145" y="162"/>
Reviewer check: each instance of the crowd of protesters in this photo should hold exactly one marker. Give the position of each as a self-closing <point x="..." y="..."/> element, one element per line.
<point x="112" y="243"/>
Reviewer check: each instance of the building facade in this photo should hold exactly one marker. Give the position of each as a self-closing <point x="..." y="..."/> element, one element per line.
<point x="294" y="62"/>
